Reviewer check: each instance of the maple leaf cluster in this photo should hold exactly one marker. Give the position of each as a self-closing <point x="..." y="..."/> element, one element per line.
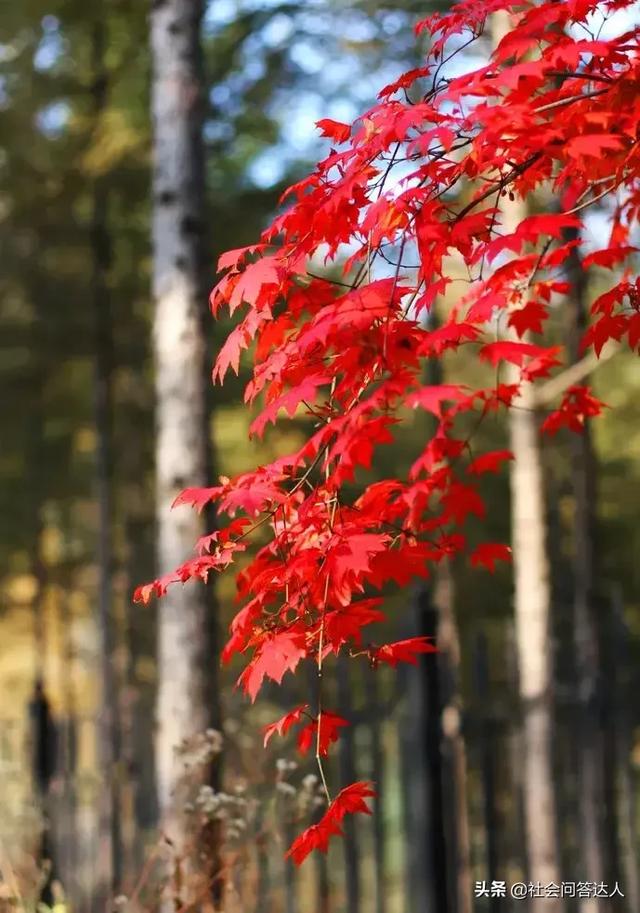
<point x="349" y="801"/>
<point x="419" y="182"/>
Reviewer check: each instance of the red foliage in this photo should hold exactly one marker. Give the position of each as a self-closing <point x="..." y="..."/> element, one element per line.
<point x="402" y="651"/>
<point x="348" y="802"/>
<point x="321" y="735"/>
<point x="284" y="724"/>
<point x="350" y="352"/>
<point x="488" y="553"/>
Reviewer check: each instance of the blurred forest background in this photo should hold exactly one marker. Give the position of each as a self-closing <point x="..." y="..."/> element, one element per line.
<point x="78" y="667"/>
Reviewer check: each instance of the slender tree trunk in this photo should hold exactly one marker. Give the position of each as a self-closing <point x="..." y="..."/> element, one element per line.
<point x="596" y="740"/>
<point x="515" y="848"/>
<point x="377" y="775"/>
<point x="532" y="606"/>
<point x="67" y="754"/>
<point x="443" y="691"/>
<point x="590" y="754"/>
<point x="453" y="744"/>
<point x="437" y="862"/>
<point x="35" y="458"/>
<point x="109" y="857"/>
<point x="348" y="774"/>
<point x="138" y="720"/>
<point x="131" y="844"/>
<point x="624" y="747"/>
<point x="414" y="774"/>
<point x="186" y="702"/>
<point x="533" y="634"/>
<point x="487" y="744"/>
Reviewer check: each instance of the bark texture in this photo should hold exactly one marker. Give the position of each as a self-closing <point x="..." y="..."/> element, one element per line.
<point x="185" y="702"/>
<point x="533" y="630"/>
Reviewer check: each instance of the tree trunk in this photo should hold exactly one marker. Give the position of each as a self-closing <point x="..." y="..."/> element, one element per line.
<point x="377" y="775"/>
<point x="621" y="701"/>
<point x="348" y="774"/>
<point x="186" y="660"/>
<point x="515" y="848"/>
<point x="414" y="774"/>
<point x="454" y="752"/>
<point x="41" y="746"/>
<point x="109" y="857"/>
<point x="533" y="630"/>
<point x="488" y="740"/>
<point x="442" y="695"/>
<point x="68" y="752"/>
<point x="437" y="862"/>
<point x="595" y="740"/>
<point x="532" y="607"/>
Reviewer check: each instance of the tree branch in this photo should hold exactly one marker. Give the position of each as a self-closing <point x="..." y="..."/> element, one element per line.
<point x="571" y="375"/>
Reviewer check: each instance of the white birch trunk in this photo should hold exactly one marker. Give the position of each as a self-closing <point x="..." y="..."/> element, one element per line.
<point x="532" y="604"/>
<point x="532" y="608"/>
<point x="183" y="704"/>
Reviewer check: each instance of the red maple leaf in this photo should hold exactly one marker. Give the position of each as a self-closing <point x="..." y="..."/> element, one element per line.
<point x="335" y="130"/>
<point x="284" y="724"/>
<point x="529" y="318"/>
<point x="608" y="327"/>
<point x="306" y="390"/>
<point x="514" y="352"/>
<point x="633" y="331"/>
<point x="313" y="838"/>
<point x="403" y="651"/>
<point x="593" y="145"/>
<point x="330" y="725"/>
<point x="231" y="258"/>
<point x="608" y="257"/>
<point x="432" y="397"/>
<point x="489" y="462"/>
<point x="459" y="501"/>
<point x="350" y="801"/>
<point x="276" y="655"/>
<point x="198" y="497"/>
<point x="578" y="405"/>
<point x="488" y="553"/>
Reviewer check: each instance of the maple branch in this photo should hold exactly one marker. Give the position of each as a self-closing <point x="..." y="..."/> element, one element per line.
<point x="330" y="280"/>
<point x="571" y="375"/>
<point x="331" y="513"/>
<point x="590" y="202"/>
<point x="309" y="470"/>
<point x="590" y="77"/>
<point x="568" y="100"/>
<point x="501" y="184"/>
